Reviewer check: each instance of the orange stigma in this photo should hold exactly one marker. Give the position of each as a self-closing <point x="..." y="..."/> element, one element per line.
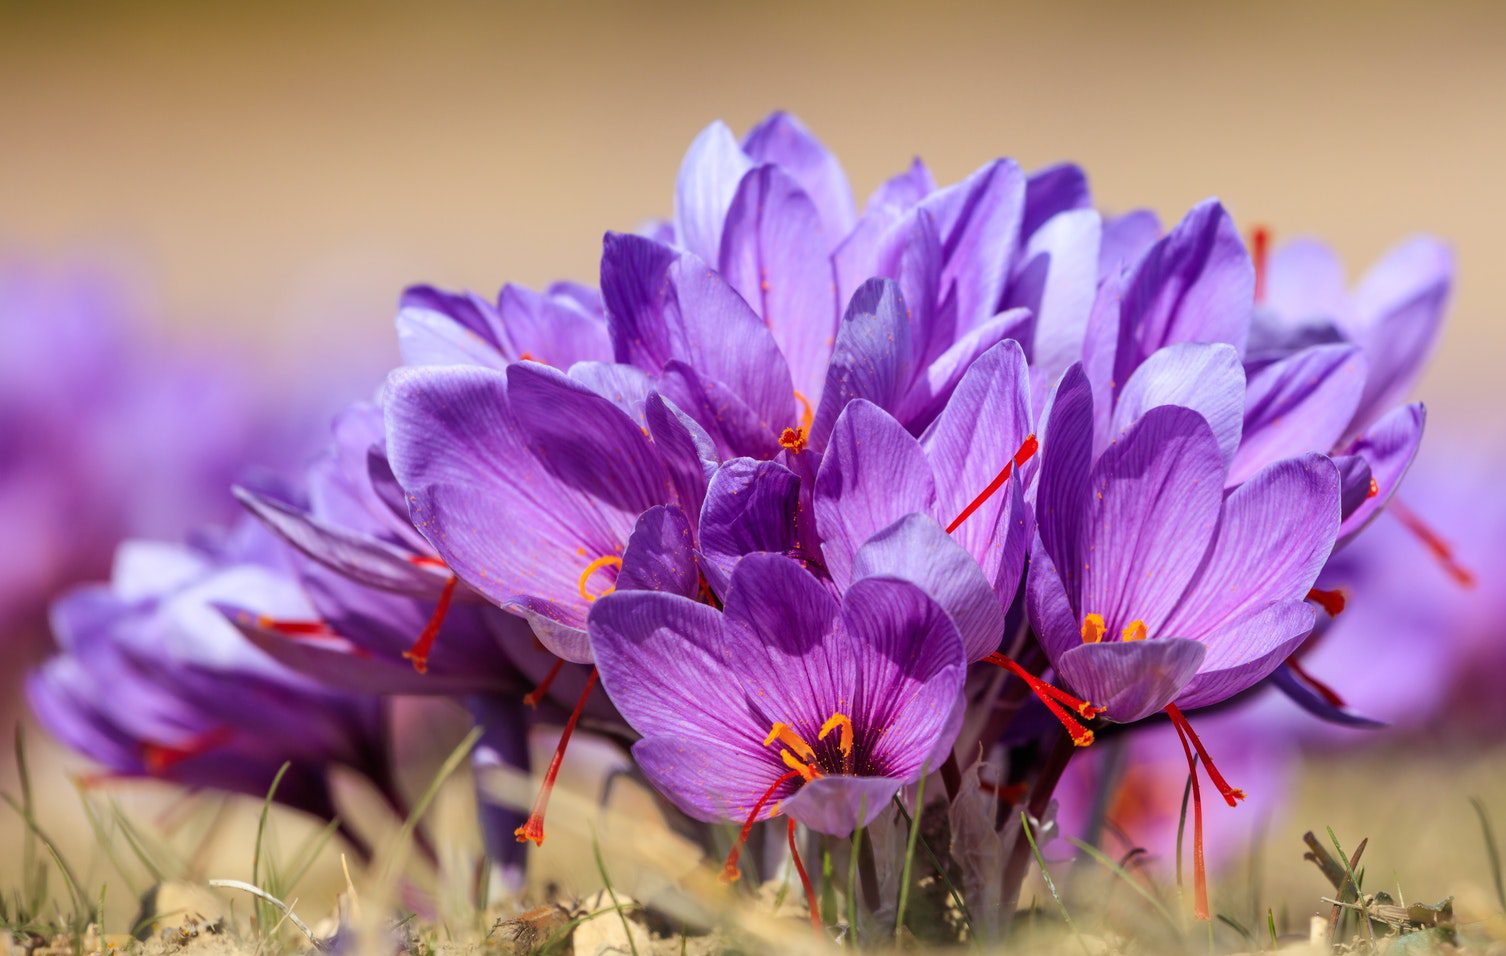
<point x="160" y="758"/>
<point x="533" y="828"/>
<point x="605" y="561"/>
<point x="805" y="880"/>
<point x="1053" y="698"/>
<point x="533" y="697"/>
<point x="729" y="869"/>
<point x="1026" y="450"/>
<point x="1092" y="628"/>
<point x="419" y="652"/>
<point x="1434" y="542"/>
<point x="1331" y="601"/>
<point x="1260" y="247"/>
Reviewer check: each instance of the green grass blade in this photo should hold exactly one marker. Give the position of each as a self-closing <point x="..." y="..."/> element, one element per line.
<point x="1182" y="826"/>
<point x="852" y="876"/>
<point x="946" y="878"/>
<point x="29" y="869"/>
<point x="107" y="843"/>
<point x="264" y="914"/>
<point x="1124" y="875"/>
<point x="410" y="825"/>
<point x="1270" y="922"/>
<point x="75" y="889"/>
<point x="606" y="881"/>
<point x="299" y="868"/>
<point x="904" y="878"/>
<point x="1040" y="861"/>
<point x="1491" y="851"/>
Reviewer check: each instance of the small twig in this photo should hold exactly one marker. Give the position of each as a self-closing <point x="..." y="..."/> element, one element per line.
<point x="263" y="895"/>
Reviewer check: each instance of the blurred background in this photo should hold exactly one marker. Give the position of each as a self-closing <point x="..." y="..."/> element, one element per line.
<point x="262" y="180"/>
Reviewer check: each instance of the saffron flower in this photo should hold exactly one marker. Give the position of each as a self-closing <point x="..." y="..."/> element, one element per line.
<point x="787" y="700"/>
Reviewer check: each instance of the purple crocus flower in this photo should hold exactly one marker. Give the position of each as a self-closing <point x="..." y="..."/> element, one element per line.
<point x="206" y="708"/>
<point x="787" y="701"/>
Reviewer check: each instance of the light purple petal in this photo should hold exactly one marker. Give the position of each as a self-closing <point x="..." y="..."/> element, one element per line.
<point x="660" y="554"/>
<point x="1057" y="281"/>
<point x="838" y="805"/>
<point x="1246" y="652"/>
<point x="1049" y="607"/>
<point x="709" y="174"/>
<point x="873" y="473"/>
<point x="1388" y="447"/>
<point x="1131" y="680"/>
<point x="709" y="779"/>
<point x="782" y="139"/>
<point x="773" y="253"/>
<point x="929" y="394"/>
<point x="427" y="337"/>
<point x="978" y="221"/>
<point x="872" y="357"/>
<point x="1125" y="240"/>
<point x="554" y="330"/>
<point x="1052" y="191"/>
<point x="686" y="450"/>
<point x="1062" y="487"/>
<point x="863" y="254"/>
<point x="1206" y="378"/>
<point x="1304" y="280"/>
<point x="750" y="507"/>
<point x="1299" y="404"/>
<point x="623" y="385"/>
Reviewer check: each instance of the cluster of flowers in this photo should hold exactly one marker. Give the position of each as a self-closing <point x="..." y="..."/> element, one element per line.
<point x="826" y="501"/>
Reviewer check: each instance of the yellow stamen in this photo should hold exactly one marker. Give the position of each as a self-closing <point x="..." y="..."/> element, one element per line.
<point x="1135" y="631"/>
<point x="785" y="735"/>
<point x="605" y="561"/>
<point x="794" y="763"/>
<point x="807" y="414"/>
<point x="844" y="743"/>
<point x="793" y="439"/>
<point x="1092" y="629"/>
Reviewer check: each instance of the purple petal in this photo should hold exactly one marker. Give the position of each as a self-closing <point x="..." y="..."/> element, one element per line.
<point x="554" y="330"/>
<point x="873" y="473"/>
<point x="864" y="254"/>
<point x="1304" y="281"/>
<point x="709" y="174"/>
<point x="1052" y="191"/>
<point x="979" y="224"/>
<point x="1299" y="404"/>
<point x="1245" y="653"/>
<point x="1056" y="280"/>
<point x="1388" y="447"/>
<point x="711" y="780"/>
<point x="917" y="550"/>
<point x="1131" y="680"/>
<point x="1194" y="285"/>
<point x="773" y="253"/>
<point x="1151" y="517"/>
<point x="1206" y="378"/>
<point x="660" y="555"/>
<point x="623" y="385"/>
<point x="782" y="139"/>
<point x="1049" y="607"/>
<point x="929" y="394"/>
<point x="838" y="805"/>
<point x="1290" y="684"/>
<point x="1125" y="239"/>
<point x="686" y="450"/>
<point x="1354" y="483"/>
<point x="872" y="357"/>
<point x="1066" y="465"/>
<point x="429" y="337"/>
<point x="734" y="429"/>
<point x="750" y="507"/>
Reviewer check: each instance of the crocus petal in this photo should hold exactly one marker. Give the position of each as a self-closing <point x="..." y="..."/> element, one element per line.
<point x="623" y="385"/>
<point x="709" y="174"/>
<point x="1206" y="378"/>
<point x="427" y="337"/>
<point x="781" y="139"/>
<point x="1151" y="517"/>
<point x="778" y="635"/>
<point x="1049" y="607"/>
<point x="979" y="224"/>
<point x="1132" y="680"/>
<point x="858" y="258"/>
<point x="910" y="666"/>
<point x="1066" y="466"/>
<point x="1301" y="403"/>
<point x="1194" y="285"/>
<point x="871" y="358"/>
<point x="1275" y="535"/>
<point x="1388" y="447"/>
<point x="1354" y="483"/>
<point x="661" y="661"/>
<point x="873" y="473"/>
<point x="1056" y="280"/>
<point x="708" y="779"/>
<point x="1290" y="684"/>
<point x="773" y="253"/>
<point x="686" y="450"/>
<point x="929" y="394"/>
<point x="1052" y="191"/>
<point x="665" y="306"/>
<point x="1125" y="239"/>
<point x="559" y="627"/>
<point x="1397" y="313"/>
<point x="734" y="428"/>
<point x="750" y="507"/>
<point x="1242" y="655"/>
<point x="660" y="554"/>
<point x="554" y="330"/>
<point x="983" y="426"/>
<point x="838" y="805"/>
<point x="916" y="549"/>
<point x="1304" y="280"/>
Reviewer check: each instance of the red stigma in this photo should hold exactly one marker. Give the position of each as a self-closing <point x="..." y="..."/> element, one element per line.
<point x="533" y="828"/>
<point x="1374" y="489"/>
<point x="294" y="628"/>
<point x="533" y="697"/>
<point x="160" y="758"/>
<point x="1026" y="450"/>
<point x="1260" y="246"/>
<point x="1332" y="601"/>
<point x="1053" y="697"/>
<point x="1323" y="690"/>
<point x="805" y="880"/>
<point x="1199" y="865"/>
<point x="419" y="652"/>
<point x="1008" y="793"/>
<point x="729" y="868"/>
<point x="428" y="561"/>
<point x="1232" y="795"/>
<point x="1434" y="542"/>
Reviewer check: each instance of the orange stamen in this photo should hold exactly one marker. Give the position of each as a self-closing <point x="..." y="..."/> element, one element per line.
<point x="805" y="880"/>
<point x="729" y="869"/>
<point x="786" y="735"/>
<point x="533" y="828"/>
<point x="793" y="440"/>
<point x="1053" y="698"/>
<point x="533" y="697"/>
<point x="1331" y="601"/>
<point x="807" y="414"/>
<point x="1199" y="865"/>
<point x="159" y="758"/>
<point x="805" y="770"/>
<point x="419" y="652"/>
<point x="1434" y="542"/>
<point x="1026" y="450"/>
<point x="1232" y="795"/>
<point x="1260" y="246"/>
<point x="1135" y="631"/>
<point x="605" y="561"/>
<point x="844" y="742"/>
<point x="1092" y="628"/>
